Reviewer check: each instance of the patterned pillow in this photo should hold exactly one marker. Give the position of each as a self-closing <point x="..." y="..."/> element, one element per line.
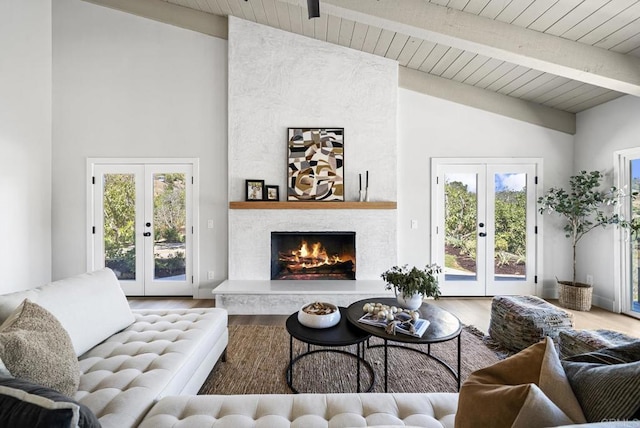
<point x="35" y="346"/>
<point x="607" y="382"/>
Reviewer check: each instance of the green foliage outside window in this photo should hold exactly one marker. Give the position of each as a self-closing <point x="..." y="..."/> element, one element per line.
<point x="461" y="219"/>
<point x="119" y="222"/>
<point x="169" y="209"/>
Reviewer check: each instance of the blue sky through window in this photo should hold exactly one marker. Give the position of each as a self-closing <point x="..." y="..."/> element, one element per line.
<point x="635" y="168"/>
<point x="513" y="181"/>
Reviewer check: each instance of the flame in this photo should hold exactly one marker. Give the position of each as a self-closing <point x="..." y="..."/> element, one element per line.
<point x="313" y="255"/>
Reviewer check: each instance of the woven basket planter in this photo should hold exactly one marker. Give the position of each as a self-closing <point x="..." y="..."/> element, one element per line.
<point x="576" y="297"/>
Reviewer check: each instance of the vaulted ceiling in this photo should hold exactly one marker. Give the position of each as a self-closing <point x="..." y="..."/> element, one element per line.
<point x="536" y="60"/>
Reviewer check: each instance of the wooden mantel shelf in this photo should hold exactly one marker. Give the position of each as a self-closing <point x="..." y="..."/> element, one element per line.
<point x="272" y="205"/>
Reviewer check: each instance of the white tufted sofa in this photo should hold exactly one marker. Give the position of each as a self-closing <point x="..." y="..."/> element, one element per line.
<point x="304" y="411"/>
<point x="128" y="359"/>
<point x="162" y="353"/>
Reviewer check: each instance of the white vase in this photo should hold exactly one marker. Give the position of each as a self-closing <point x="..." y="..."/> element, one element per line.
<point x="412" y="302"/>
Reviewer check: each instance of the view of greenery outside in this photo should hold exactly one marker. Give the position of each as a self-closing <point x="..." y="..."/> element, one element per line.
<point x="169" y="219"/>
<point x="461" y="214"/>
<point x="119" y="224"/>
<point x="169" y="224"/>
<point x="461" y="229"/>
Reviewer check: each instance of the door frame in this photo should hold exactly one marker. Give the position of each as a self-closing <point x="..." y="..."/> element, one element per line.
<point x="621" y="247"/>
<point x="537" y="245"/>
<point x="195" y="190"/>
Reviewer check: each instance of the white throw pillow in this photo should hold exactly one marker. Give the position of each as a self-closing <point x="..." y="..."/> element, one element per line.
<point x="91" y="307"/>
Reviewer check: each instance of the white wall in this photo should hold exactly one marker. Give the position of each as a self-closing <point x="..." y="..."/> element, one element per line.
<point x="125" y="86"/>
<point x="431" y="127"/>
<point x="277" y="80"/>
<point x="25" y="144"/>
<point x="601" y="131"/>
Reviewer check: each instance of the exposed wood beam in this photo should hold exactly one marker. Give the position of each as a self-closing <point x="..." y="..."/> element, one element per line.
<point x="169" y="13"/>
<point x="487" y="100"/>
<point x="521" y="46"/>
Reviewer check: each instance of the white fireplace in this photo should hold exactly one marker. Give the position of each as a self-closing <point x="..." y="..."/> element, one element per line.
<point x="250" y="238"/>
<point x="279" y="80"/>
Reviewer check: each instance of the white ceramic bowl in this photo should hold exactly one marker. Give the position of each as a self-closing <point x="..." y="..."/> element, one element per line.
<point x="313" y="320"/>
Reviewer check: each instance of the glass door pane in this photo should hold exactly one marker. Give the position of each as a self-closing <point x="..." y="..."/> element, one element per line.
<point x="511" y="214"/>
<point x="459" y="245"/>
<point x="635" y="244"/>
<point x="118" y="206"/>
<point x="510" y="222"/>
<point x="169" y="220"/>
<point x="460" y="219"/>
<point x="168" y="230"/>
<point x="119" y="224"/>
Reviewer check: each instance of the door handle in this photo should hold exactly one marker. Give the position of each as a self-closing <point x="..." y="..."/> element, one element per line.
<point x="146" y="234"/>
<point x="482" y="234"/>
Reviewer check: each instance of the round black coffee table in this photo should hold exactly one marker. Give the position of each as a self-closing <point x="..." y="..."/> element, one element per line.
<point x="443" y="326"/>
<point x="340" y="335"/>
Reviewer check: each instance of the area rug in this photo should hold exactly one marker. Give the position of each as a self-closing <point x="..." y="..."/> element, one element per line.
<point x="258" y="356"/>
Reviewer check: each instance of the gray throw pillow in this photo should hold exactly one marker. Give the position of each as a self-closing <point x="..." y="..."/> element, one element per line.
<point x="627" y="353"/>
<point x="22" y="410"/>
<point x="35" y="346"/>
<point x="606" y="392"/>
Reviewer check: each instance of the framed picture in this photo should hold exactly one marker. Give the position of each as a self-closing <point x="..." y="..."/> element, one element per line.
<point x="273" y="193"/>
<point x="255" y="190"/>
<point x="315" y="164"/>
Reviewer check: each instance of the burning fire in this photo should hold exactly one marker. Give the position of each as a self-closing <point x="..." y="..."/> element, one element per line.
<point x="314" y="256"/>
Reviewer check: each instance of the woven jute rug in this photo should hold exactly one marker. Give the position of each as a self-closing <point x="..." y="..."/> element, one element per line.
<point x="258" y="356"/>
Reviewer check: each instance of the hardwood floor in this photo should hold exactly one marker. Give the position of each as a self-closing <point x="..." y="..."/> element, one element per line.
<point x="471" y="311"/>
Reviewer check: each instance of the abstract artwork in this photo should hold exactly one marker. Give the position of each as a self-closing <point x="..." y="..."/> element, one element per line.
<point x="316" y="164"/>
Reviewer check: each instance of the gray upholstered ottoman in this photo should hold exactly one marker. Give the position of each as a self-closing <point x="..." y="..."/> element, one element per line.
<point x="518" y="322"/>
<point x="574" y="342"/>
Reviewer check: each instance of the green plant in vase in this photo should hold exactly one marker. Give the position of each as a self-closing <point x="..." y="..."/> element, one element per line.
<point x="411" y="285"/>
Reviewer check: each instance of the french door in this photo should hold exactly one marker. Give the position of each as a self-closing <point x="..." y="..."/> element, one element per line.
<point x="627" y="252"/>
<point x="142" y="226"/>
<point x="484" y="226"/>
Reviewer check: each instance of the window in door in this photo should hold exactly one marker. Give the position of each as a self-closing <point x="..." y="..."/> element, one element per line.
<point x="632" y="295"/>
<point x="142" y="226"/>
<point x="484" y="226"/>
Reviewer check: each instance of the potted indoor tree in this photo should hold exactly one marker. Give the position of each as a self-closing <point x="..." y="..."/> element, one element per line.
<point x="413" y="285"/>
<point x="584" y="207"/>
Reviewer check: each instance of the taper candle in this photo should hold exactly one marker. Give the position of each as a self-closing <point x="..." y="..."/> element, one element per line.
<point x="367" y="179"/>
<point x="360" y="181"/>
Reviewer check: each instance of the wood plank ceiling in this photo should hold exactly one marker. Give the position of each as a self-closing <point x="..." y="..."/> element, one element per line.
<point x="557" y="56"/>
<point x="612" y="25"/>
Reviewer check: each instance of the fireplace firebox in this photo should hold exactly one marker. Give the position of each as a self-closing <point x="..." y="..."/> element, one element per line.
<point x="313" y="255"/>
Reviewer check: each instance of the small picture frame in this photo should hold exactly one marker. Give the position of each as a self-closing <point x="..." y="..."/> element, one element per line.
<point x="254" y="190"/>
<point x="273" y="193"/>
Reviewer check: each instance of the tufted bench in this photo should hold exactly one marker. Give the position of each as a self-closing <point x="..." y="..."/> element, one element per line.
<point x="518" y="322"/>
<point x="162" y="353"/>
<point x="304" y="411"/>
